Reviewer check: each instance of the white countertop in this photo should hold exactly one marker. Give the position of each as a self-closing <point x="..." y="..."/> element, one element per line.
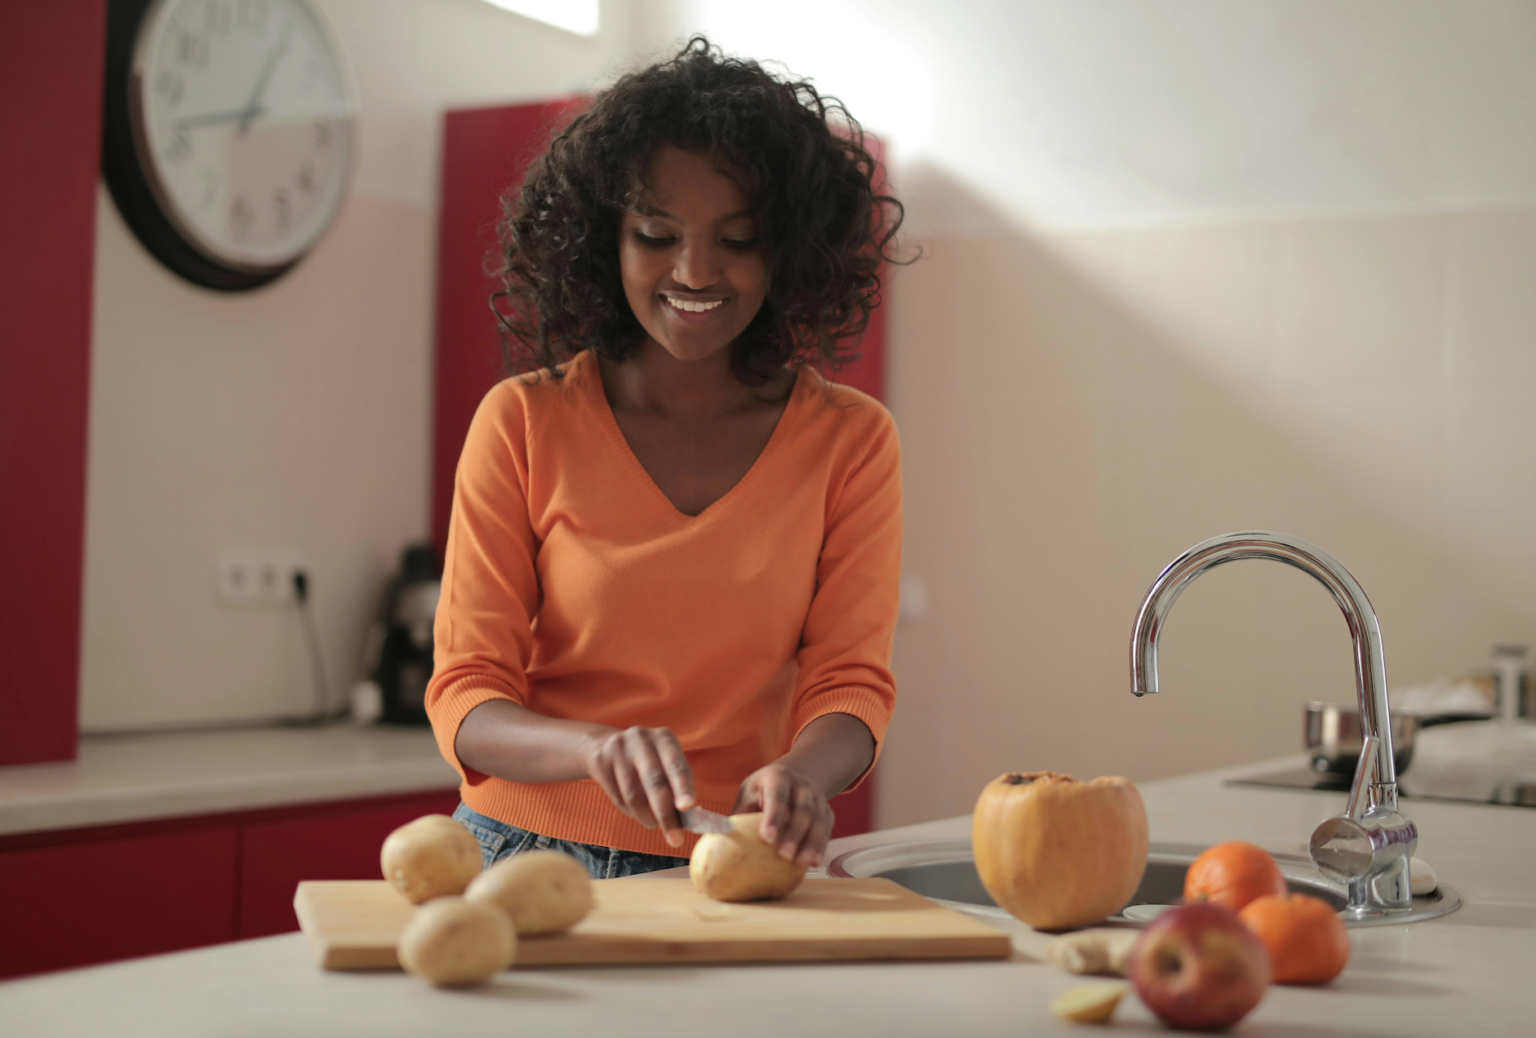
<point x="143" y="777"/>
<point x="1470" y="973"/>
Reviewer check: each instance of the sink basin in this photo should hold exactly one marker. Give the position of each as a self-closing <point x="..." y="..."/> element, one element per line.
<point x="945" y="871"/>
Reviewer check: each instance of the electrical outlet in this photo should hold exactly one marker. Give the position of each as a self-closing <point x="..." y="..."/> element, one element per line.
<point x="257" y="577"/>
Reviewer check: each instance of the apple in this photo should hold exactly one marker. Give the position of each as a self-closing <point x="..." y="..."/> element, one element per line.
<point x="1199" y="968"/>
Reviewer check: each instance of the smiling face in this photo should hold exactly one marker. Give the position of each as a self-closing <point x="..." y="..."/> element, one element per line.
<point x="694" y="272"/>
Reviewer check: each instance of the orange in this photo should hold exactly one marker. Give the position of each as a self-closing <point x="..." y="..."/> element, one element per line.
<point x="1232" y="874"/>
<point x="1306" y="939"/>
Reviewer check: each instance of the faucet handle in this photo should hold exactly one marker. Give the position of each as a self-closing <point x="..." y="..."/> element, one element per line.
<point x="1368" y="847"/>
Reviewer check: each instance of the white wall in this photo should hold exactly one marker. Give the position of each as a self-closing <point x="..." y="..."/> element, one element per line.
<point x="297" y="416"/>
<point x="1074" y="112"/>
<point x="1190" y="267"/>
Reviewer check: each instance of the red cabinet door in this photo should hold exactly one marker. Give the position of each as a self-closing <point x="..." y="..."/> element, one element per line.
<point x="94" y="901"/>
<point x="340" y="843"/>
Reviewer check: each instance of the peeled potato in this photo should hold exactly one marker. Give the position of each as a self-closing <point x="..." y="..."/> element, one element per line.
<point x="434" y="856"/>
<point x="451" y="941"/>
<point x="739" y="866"/>
<point x="542" y="891"/>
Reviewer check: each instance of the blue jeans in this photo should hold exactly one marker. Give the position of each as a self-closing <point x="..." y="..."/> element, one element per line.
<point x="498" y="840"/>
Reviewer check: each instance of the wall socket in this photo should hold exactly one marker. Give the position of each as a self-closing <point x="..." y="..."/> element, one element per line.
<point x="258" y="577"/>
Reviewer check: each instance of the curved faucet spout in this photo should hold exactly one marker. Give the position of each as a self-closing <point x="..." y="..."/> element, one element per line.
<point x="1368" y="847"/>
<point x="1370" y="666"/>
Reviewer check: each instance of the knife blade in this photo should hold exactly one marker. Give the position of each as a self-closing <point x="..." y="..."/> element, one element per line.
<point x="703" y="820"/>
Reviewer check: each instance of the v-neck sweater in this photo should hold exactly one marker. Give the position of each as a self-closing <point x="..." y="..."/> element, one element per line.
<point x="574" y="587"/>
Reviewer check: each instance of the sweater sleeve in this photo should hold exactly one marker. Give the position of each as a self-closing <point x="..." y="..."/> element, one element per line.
<point x="845" y="651"/>
<point x="483" y="637"/>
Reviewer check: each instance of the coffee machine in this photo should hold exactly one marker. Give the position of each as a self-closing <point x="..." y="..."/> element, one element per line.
<point x="397" y="655"/>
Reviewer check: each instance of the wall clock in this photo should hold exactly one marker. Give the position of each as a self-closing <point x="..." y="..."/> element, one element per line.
<point x="228" y="133"/>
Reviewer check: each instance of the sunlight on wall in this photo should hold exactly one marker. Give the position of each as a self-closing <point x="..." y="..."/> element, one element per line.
<point x="1094" y="113"/>
<point x="578" y="16"/>
<point x="849" y="49"/>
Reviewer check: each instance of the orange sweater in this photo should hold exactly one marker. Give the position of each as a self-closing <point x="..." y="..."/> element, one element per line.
<point x="573" y="587"/>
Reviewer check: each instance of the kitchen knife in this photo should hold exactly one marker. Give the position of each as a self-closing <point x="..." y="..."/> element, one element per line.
<point x="703" y="820"/>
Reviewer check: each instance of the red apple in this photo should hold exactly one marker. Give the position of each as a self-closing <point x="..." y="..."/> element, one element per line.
<point x="1199" y="968"/>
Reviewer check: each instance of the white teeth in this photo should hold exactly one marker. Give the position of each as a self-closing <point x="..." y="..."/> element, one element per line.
<point x="692" y="307"/>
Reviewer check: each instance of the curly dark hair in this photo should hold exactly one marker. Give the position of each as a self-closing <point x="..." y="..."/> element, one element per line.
<point x="826" y="228"/>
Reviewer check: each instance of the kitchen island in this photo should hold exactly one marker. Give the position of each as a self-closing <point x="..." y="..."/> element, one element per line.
<point x="1469" y="973"/>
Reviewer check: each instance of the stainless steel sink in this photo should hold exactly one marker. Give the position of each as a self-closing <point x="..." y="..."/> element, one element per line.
<point x="945" y="871"/>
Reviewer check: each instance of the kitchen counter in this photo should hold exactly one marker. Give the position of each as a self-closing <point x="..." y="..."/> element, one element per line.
<point x="1467" y="973"/>
<point x="135" y="778"/>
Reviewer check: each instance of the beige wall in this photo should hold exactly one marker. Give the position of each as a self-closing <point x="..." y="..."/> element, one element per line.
<point x="1079" y="407"/>
<point x="1191" y="268"/>
<point x="296" y="417"/>
<point x="1076" y="406"/>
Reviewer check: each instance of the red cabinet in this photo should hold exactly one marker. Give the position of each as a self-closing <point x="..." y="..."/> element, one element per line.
<point x="84" y="896"/>
<point x="341" y="843"/>
<point x="114" y="899"/>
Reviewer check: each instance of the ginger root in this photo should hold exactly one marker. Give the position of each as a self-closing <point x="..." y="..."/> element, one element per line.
<point x="1103" y="951"/>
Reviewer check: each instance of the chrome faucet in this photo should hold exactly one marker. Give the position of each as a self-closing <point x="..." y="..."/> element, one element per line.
<point x="1368" y="847"/>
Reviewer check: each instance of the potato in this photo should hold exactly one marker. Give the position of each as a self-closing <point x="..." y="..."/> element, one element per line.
<point x="434" y="856"/>
<point x="450" y="941"/>
<point x="739" y="866"/>
<point x="542" y="891"/>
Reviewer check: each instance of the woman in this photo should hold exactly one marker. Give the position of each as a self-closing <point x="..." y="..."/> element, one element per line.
<point x="673" y="559"/>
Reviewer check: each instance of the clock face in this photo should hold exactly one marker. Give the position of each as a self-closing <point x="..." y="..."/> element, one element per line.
<point x="243" y="120"/>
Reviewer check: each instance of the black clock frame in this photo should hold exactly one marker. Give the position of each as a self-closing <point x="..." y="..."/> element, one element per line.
<point x="123" y="168"/>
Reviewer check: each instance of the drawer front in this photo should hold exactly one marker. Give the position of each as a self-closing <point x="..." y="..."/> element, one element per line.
<point x="94" y="901"/>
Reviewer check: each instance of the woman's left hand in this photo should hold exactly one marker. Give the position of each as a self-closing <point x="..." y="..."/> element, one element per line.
<point x="797" y="820"/>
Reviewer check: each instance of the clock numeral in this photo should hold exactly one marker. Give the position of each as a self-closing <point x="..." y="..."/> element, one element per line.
<point x="252" y="16"/>
<point x="192" y="50"/>
<point x="210" y="188"/>
<point x="171" y="87"/>
<point x="242" y="216"/>
<point x="217" y="18"/>
<point x="180" y="149"/>
<point x="322" y="135"/>
<point x="283" y="207"/>
<point x="307" y="177"/>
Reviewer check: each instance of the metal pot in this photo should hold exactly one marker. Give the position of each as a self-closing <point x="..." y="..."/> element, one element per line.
<point x="1333" y="738"/>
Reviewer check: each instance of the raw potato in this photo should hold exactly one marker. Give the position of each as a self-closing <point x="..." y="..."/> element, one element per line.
<point x="543" y="891"/>
<point x="1090" y="1004"/>
<point x="1105" y="951"/>
<point x="450" y="942"/>
<point x="739" y="866"/>
<point x="434" y="856"/>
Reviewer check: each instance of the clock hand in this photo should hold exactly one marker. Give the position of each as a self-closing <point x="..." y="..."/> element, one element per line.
<point x="253" y="109"/>
<point x="208" y="118"/>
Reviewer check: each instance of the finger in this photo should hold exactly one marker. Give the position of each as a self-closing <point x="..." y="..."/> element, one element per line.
<point x="802" y="813"/>
<point x="813" y="847"/>
<point x="634" y="792"/>
<point x="749" y="797"/>
<point x="601" y="769"/>
<point x="678" y="772"/>
<point x="775" y="791"/>
<point x="658" y="788"/>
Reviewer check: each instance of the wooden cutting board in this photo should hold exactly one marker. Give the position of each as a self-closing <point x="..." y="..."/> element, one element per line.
<point x="354" y="924"/>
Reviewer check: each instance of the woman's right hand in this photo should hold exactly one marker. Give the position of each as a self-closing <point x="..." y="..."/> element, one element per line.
<point x="646" y="775"/>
